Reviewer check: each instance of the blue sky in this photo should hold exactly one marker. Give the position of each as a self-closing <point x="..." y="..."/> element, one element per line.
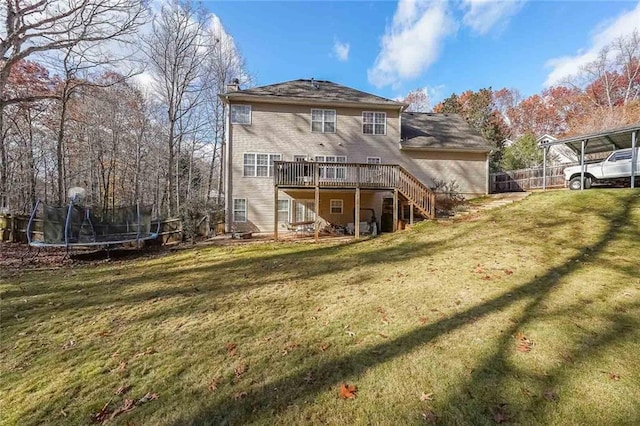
<point x="389" y="48"/>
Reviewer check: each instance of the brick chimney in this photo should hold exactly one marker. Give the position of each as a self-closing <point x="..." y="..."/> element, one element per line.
<point x="234" y="86"/>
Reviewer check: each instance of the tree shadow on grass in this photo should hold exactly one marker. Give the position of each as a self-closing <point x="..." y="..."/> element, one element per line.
<point x="262" y="401"/>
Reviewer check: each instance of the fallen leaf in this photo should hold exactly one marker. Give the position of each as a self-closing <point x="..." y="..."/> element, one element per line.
<point x="148" y="397"/>
<point x="384" y="336"/>
<point x="486" y="278"/>
<point x="524" y="344"/>
<point x="63" y="413"/>
<point x="231" y="349"/>
<point x="70" y="343"/>
<point x="614" y="376"/>
<point x="550" y="395"/>
<point x="121" y="367"/>
<point x="430" y="417"/>
<point x="426" y="397"/>
<point x="324" y="347"/>
<point x="122" y="390"/>
<point x="101" y="415"/>
<point x="351" y="333"/>
<point x="127" y="405"/>
<point x="213" y="384"/>
<point x="239" y="395"/>
<point x="103" y="333"/>
<point x="423" y="320"/>
<point x="149" y="351"/>
<point x="348" y="391"/>
<point x="240" y="370"/>
<point x="508" y="271"/>
<point x="499" y="413"/>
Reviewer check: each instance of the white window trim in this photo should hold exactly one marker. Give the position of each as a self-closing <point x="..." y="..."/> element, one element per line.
<point x="288" y="216"/>
<point x="323" y="170"/>
<point x="246" y="210"/>
<point x="250" y="114"/>
<point x="255" y="164"/>
<point x="374" y="158"/>
<point x="341" y="206"/>
<point x="374" y="123"/>
<point x="335" y="120"/>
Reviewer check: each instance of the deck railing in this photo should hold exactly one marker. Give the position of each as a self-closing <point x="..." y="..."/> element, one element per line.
<point x="303" y="174"/>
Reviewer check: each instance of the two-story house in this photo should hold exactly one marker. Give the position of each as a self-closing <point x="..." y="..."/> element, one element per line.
<point x="311" y="151"/>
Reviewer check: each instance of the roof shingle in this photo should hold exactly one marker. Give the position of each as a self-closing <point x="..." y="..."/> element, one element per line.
<point x="316" y="91"/>
<point x="440" y="131"/>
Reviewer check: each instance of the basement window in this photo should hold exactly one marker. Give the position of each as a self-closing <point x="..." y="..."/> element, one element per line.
<point x="239" y="209"/>
<point x="336" y="206"/>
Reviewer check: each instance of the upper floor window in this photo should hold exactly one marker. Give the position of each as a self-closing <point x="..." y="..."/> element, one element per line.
<point x="259" y="165"/>
<point x="332" y="172"/>
<point x="240" y="114"/>
<point x="374" y="123"/>
<point x="323" y="120"/>
<point x="373" y="160"/>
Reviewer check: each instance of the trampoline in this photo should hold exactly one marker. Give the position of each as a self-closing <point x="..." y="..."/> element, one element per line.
<point x="78" y="226"/>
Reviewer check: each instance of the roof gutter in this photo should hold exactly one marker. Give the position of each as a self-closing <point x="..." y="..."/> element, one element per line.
<point x="304" y="101"/>
<point x="438" y="149"/>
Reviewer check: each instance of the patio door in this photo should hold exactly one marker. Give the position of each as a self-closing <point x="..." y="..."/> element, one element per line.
<point x="303" y="211"/>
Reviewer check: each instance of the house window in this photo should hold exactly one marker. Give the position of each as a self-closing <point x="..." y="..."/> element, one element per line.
<point x="283" y="210"/>
<point x="323" y="120"/>
<point x="239" y="209"/>
<point x="303" y="211"/>
<point x="373" y="160"/>
<point x="299" y="158"/>
<point x="336" y="206"/>
<point x="240" y="114"/>
<point x="374" y="123"/>
<point x="332" y="172"/>
<point x="259" y="165"/>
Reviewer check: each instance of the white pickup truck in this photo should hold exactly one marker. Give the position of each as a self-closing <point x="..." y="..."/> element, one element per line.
<point x="616" y="166"/>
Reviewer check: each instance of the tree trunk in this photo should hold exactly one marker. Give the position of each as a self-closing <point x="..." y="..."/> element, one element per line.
<point x="60" y="187"/>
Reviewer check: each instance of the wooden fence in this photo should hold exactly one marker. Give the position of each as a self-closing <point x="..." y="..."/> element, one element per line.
<point x="527" y="179"/>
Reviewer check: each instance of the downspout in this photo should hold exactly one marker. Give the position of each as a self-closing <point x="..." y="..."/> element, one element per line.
<point x="634" y="158"/>
<point x="228" y="184"/>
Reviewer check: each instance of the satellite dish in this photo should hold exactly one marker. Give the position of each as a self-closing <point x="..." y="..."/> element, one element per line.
<point x="76" y="195"/>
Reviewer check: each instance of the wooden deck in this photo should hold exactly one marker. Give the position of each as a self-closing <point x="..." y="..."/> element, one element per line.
<point x="356" y="176"/>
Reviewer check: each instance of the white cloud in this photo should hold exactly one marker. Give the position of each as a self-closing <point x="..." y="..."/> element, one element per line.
<point x="412" y="42"/>
<point x="483" y="15"/>
<point x="567" y="66"/>
<point x="341" y="50"/>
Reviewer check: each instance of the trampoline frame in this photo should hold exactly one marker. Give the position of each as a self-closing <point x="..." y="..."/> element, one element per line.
<point x="139" y="237"/>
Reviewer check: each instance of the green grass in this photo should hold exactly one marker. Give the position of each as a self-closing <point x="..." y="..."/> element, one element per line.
<point x="430" y="310"/>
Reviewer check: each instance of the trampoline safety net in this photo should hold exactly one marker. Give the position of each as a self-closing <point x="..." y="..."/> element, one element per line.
<point x="77" y="225"/>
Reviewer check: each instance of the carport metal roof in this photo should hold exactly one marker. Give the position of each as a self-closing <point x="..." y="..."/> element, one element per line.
<point x="603" y="141"/>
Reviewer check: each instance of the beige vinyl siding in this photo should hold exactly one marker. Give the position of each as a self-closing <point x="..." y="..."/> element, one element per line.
<point x="286" y="130"/>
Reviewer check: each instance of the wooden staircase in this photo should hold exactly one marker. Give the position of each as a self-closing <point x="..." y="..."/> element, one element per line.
<point x="416" y="192"/>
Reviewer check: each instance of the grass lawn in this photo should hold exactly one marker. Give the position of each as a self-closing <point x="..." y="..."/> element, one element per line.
<point x="528" y="314"/>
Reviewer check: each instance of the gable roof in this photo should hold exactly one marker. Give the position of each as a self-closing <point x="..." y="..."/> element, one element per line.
<point x="311" y="92"/>
<point x="432" y="131"/>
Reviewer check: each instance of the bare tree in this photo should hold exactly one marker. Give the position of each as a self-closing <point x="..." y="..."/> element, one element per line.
<point x="176" y="51"/>
<point x="45" y="26"/>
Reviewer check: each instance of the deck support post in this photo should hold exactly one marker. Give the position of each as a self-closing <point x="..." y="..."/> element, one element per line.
<point x="275" y="213"/>
<point x="582" y="164"/>
<point x="316" y="207"/>
<point x="356" y="219"/>
<point x="411" y="213"/>
<point x="634" y="158"/>
<point x="544" y="168"/>
<point x="395" y="210"/>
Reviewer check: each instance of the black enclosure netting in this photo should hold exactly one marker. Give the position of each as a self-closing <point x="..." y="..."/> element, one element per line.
<point x="83" y="225"/>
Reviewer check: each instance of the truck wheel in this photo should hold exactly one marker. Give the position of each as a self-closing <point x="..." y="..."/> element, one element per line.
<point x="574" y="183"/>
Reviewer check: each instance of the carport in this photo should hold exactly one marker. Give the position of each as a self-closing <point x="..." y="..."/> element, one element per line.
<point x="593" y="143"/>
